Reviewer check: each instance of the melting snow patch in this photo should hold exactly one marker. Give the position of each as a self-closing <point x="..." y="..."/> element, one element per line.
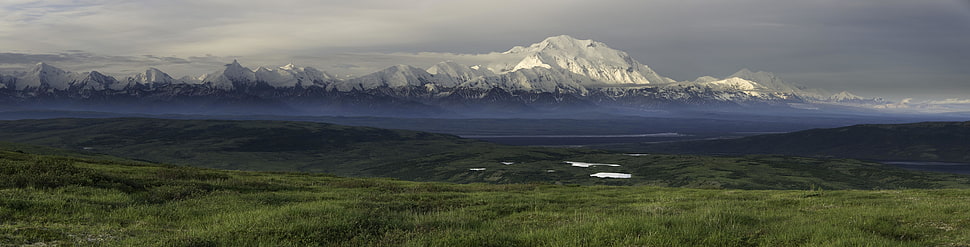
<point x="476" y="169"/>
<point x="584" y="164"/>
<point x="637" y="155"/>
<point x="611" y="175"/>
<point x="508" y="163"/>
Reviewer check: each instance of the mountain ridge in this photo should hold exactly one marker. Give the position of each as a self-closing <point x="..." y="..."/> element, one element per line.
<point x="558" y="69"/>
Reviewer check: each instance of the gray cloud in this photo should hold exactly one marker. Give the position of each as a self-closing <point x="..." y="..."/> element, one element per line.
<point x="896" y="48"/>
<point x="113" y="65"/>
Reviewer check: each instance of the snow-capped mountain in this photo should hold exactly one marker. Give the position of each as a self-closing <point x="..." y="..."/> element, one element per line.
<point x="592" y="59"/>
<point x="396" y="77"/>
<point x="43" y="75"/>
<point x="94" y="81"/>
<point x="235" y="75"/>
<point x="558" y="72"/>
<point x="536" y="79"/>
<point x="560" y="63"/>
<point x="761" y="84"/>
<point x="772" y="83"/>
<point x="845" y="96"/>
<point x="152" y="76"/>
<point x="460" y="73"/>
<point x="735" y="83"/>
<point x="290" y="76"/>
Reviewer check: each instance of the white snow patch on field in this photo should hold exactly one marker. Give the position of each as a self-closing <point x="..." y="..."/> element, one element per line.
<point x="476" y="169"/>
<point x="585" y="165"/>
<point x="611" y="175"/>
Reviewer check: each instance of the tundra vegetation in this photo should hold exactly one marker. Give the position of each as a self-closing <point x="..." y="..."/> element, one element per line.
<point x="52" y="197"/>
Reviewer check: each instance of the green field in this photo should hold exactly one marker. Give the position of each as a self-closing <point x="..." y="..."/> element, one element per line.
<point x="55" y="200"/>
<point x="420" y="156"/>
<point x="109" y="182"/>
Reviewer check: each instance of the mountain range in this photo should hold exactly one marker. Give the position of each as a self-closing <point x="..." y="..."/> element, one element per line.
<point x="558" y="73"/>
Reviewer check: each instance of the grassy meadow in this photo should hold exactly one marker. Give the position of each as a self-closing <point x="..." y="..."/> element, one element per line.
<point x="56" y="200"/>
<point x="285" y="146"/>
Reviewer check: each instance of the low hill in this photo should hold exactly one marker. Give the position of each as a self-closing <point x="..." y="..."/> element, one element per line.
<point x="420" y="156"/>
<point x="265" y="145"/>
<point x="53" y="200"/>
<point x="927" y="141"/>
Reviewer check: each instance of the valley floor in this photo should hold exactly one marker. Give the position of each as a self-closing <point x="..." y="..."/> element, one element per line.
<point x="50" y="200"/>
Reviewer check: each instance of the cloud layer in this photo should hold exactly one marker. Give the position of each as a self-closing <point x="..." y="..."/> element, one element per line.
<point x="897" y="48"/>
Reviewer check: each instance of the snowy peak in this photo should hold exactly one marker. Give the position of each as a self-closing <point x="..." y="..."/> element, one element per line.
<point x="736" y="84"/>
<point x="532" y="78"/>
<point x="845" y="96"/>
<point x="531" y="61"/>
<point x="316" y="74"/>
<point x="561" y="42"/>
<point x="395" y="77"/>
<point x="542" y="80"/>
<point x="45" y="75"/>
<point x="288" y="76"/>
<point x="153" y="76"/>
<point x="237" y="73"/>
<point x="760" y="76"/>
<point x="276" y="78"/>
<point x="42" y="67"/>
<point x="95" y="81"/>
<point x="228" y="78"/>
<point x="307" y="74"/>
<point x="588" y="58"/>
<point x="761" y="83"/>
<point x="771" y="82"/>
<point x="459" y="72"/>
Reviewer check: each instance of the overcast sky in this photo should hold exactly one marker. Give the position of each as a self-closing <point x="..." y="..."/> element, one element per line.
<point x="876" y="48"/>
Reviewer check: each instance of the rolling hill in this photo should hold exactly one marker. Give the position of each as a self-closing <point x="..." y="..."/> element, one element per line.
<point x="926" y="141"/>
<point x="420" y="156"/>
<point x="53" y="200"/>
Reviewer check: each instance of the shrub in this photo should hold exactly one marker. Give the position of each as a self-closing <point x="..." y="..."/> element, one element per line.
<point x="46" y="173"/>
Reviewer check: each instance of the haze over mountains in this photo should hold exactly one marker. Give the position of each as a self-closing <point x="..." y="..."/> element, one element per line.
<point x="559" y="73"/>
